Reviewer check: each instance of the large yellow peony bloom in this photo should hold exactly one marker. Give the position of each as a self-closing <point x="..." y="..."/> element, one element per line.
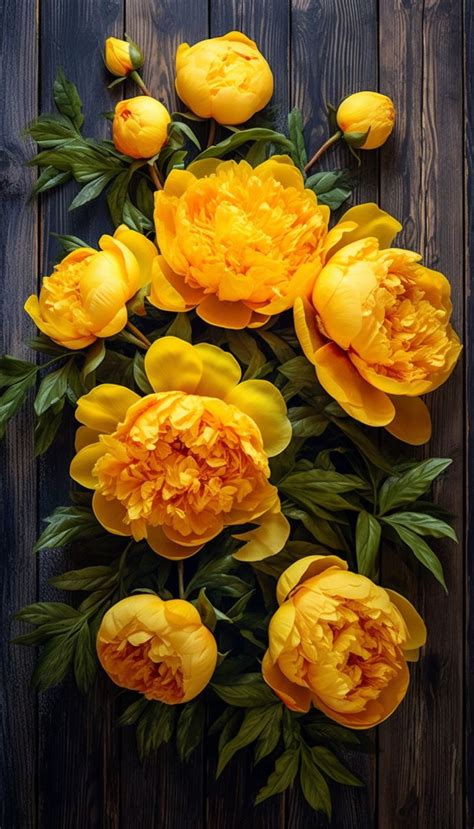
<point x="86" y="296"/>
<point x="377" y="330"/>
<point x="225" y="78"/>
<point x="341" y="643"/>
<point x="178" y="466"/>
<point x="237" y="243"/>
<point x="158" y="648"/>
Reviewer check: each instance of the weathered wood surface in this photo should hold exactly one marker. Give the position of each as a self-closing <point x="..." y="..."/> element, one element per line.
<point x="64" y="763"/>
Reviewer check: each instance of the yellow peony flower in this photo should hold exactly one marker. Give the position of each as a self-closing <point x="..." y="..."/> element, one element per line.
<point x="122" y="57"/>
<point x="85" y="298"/>
<point x="341" y="643"/>
<point x="160" y="649"/>
<point x="367" y="111"/>
<point x="238" y="244"/>
<point x="225" y="78"/>
<point x="140" y="126"/>
<point x="377" y="330"/>
<point x="178" y="466"/>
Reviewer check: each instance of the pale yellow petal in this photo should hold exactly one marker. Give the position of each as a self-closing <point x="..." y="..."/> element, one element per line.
<point x="305" y="568"/>
<point x="220" y="371"/>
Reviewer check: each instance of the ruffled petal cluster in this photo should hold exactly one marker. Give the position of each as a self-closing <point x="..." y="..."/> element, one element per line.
<point x="238" y="244"/>
<point x="159" y="648"/>
<point x="178" y="466"/>
<point x="340" y="642"/>
<point x="85" y="298"/>
<point x="377" y="328"/>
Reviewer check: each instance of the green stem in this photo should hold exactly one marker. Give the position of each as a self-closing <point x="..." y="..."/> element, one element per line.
<point x="332" y="140"/>
<point x="212" y="133"/>
<point x="138" y="334"/>
<point x="140" y="83"/>
<point x="182" y="594"/>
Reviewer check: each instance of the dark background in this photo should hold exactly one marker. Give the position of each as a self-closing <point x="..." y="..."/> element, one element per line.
<point x="65" y="763"/>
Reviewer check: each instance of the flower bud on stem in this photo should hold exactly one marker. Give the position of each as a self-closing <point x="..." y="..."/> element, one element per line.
<point x="332" y="140"/>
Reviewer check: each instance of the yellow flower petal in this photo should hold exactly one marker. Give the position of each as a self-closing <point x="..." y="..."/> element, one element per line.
<point x="370" y="221"/>
<point x="305" y="568"/>
<point x="220" y="371"/>
<point x="32" y="308"/>
<point x="306" y="328"/>
<point x="180" y="613"/>
<point x="85" y="436"/>
<point x="281" y="628"/>
<point x="142" y="248"/>
<point x="266" y="540"/>
<point x="266" y="406"/>
<point x="172" y="364"/>
<point x="105" y="406"/>
<point x="169" y="291"/>
<point x="205" y="167"/>
<point x="164" y="546"/>
<point x="415" y="625"/>
<point x="343" y="382"/>
<point x="110" y="514"/>
<point x="282" y="169"/>
<point x="412" y="421"/>
<point x="234" y="315"/>
<point x="178" y="181"/>
<point x="294" y="696"/>
<point x="83" y="463"/>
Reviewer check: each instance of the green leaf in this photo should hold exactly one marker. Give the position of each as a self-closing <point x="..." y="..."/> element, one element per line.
<point x="91" y="190"/>
<point x="399" y="490"/>
<point x="116" y="368"/>
<point x="181" y="327"/>
<point x="363" y="443"/>
<point x="52" y="388"/>
<point x="92" y="578"/>
<point x="246" y="691"/>
<point x="117" y="195"/>
<point x="67" y="99"/>
<point x="282" y="777"/>
<point x="68" y="524"/>
<point x="133" y="712"/>
<point x="12" y="400"/>
<point x="368" y="532"/>
<point x="51" y="130"/>
<point x="85" y="660"/>
<point x="155" y="726"/>
<point x="422" y="524"/>
<point x="257" y="153"/>
<point x="145" y="199"/>
<point x="40" y="613"/>
<point x="299" y="370"/>
<point x="186" y="132"/>
<point x="234" y="141"/>
<point x="420" y="550"/>
<point x="255" y="721"/>
<point x="320" y="487"/>
<point x="332" y="767"/>
<point x="69" y="243"/>
<point x="54" y="662"/>
<point x="49" y="178"/>
<point x="190" y="728"/>
<point x="95" y="354"/>
<point x="47" y="427"/>
<point x="282" y="351"/>
<point x="206" y="610"/>
<point x="139" y="374"/>
<point x="332" y="188"/>
<point x="268" y="740"/>
<point x="295" y="128"/>
<point x="305" y="423"/>
<point x="313" y="785"/>
<point x="135" y="219"/>
<point x="13" y="370"/>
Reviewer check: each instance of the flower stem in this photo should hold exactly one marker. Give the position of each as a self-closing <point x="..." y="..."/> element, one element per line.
<point x="332" y="140"/>
<point x="212" y="133"/>
<point x="182" y="594"/>
<point x="155" y="177"/>
<point x="140" y="83"/>
<point x="138" y="334"/>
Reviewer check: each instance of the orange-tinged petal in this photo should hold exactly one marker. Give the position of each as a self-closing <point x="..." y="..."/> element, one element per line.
<point x="180" y="613"/>
<point x="164" y="546"/>
<point x="32" y="308"/>
<point x="83" y="463"/>
<point x="220" y="371"/>
<point x="234" y="315"/>
<point x="306" y="328"/>
<point x="343" y="382"/>
<point x="305" y="568"/>
<point x="105" y="406"/>
<point x="280" y="628"/>
<point x="111" y="514"/>
<point x="266" y="540"/>
<point x="415" y="625"/>
<point x="412" y="421"/>
<point x="263" y="402"/>
<point x="294" y="696"/>
<point x="172" y="364"/>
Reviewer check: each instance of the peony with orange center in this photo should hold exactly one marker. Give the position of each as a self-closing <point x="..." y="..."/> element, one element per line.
<point x="179" y="465"/>
<point x="85" y="298"/>
<point x="340" y="642"/>
<point x="238" y="244"/>
<point x="159" y="648"/>
<point x="377" y="328"/>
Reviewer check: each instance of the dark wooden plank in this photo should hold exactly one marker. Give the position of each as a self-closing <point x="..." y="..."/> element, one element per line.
<point x="18" y="252"/>
<point x="420" y="766"/>
<point x="469" y="305"/>
<point x="230" y="799"/>
<point x="334" y="53"/>
<point x="77" y="758"/>
<point x="163" y="792"/>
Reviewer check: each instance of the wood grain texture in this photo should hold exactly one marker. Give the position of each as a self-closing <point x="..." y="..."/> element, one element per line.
<point x="67" y="765"/>
<point x="422" y="184"/>
<point x="18" y="256"/>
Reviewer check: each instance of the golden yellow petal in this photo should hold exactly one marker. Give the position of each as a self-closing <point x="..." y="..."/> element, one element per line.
<point x="164" y="546"/>
<point x="105" y="406"/>
<point x="265" y="540"/>
<point x="172" y="364"/>
<point x="263" y="402"/>
<point x="110" y="514"/>
<point x="306" y="328"/>
<point x="370" y="221"/>
<point x="412" y="421"/>
<point x="415" y="625"/>
<point x="83" y="463"/>
<point x="305" y="568"/>
<point x="85" y="436"/>
<point x="294" y="696"/>
<point x="178" y="181"/>
<point x="280" y="628"/>
<point x="220" y="371"/>
<point x="234" y="315"/>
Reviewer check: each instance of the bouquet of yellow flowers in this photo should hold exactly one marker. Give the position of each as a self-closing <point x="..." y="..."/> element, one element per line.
<point x="228" y="351"/>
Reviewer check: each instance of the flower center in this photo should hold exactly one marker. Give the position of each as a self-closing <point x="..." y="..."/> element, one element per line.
<point x="244" y="238"/>
<point x="150" y="668"/>
<point x="61" y="295"/>
<point x="183" y="461"/>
